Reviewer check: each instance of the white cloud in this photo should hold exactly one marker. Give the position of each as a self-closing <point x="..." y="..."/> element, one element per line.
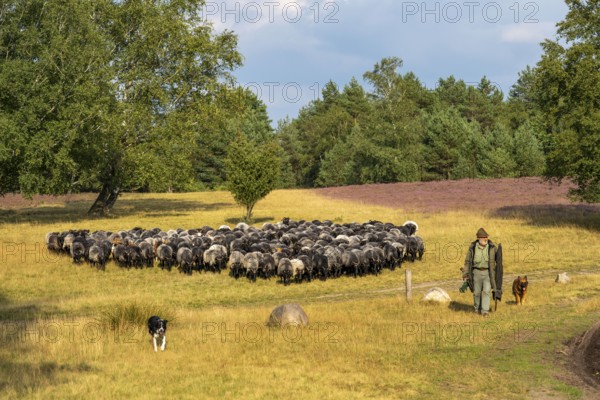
<point x="246" y="17"/>
<point x="527" y="33"/>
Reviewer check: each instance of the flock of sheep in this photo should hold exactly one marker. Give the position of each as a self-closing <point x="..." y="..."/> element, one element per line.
<point x="290" y="250"/>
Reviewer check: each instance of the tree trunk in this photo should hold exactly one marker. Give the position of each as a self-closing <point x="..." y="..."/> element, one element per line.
<point x="249" y="212"/>
<point x="105" y="201"/>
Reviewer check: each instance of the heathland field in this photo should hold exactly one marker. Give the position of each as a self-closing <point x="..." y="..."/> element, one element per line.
<point x="70" y="331"/>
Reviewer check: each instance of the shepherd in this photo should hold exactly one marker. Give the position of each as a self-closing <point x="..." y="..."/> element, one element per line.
<point x="483" y="272"/>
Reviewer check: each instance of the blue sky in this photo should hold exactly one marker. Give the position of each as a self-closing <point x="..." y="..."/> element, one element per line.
<point x="291" y="48"/>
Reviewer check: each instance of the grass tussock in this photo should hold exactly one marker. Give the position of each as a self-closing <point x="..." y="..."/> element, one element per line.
<point x="120" y="316"/>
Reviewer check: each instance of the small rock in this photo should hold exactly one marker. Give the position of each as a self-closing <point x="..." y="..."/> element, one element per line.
<point x="288" y="314"/>
<point x="437" y="295"/>
<point x="563" y="278"/>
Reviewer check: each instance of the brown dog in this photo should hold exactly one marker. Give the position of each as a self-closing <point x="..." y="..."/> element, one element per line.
<point x="520" y="289"/>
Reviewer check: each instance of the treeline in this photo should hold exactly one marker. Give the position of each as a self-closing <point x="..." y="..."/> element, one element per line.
<point x="110" y="96"/>
<point x="398" y="131"/>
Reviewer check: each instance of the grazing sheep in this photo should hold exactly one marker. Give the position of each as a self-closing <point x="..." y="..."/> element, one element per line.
<point x="334" y="257"/>
<point x="321" y="263"/>
<point x="77" y="250"/>
<point x="285" y="270"/>
<point x="198" y="253"/>
<point x="379" y="259"/>
<point x="350" y="263"/>
<point x="147" y="253"/>
<point x="120" y="255"/>
<point x="215" y="258"/>
<point x="237" y="245"/>
<point x="235" y="264"/>
<point x="52" y="242"/>
<point x="401" y="251"/>
<point x="371" y="261"/>
<point x="308" y="267"/>
<point x="135" y="256"/>
<point x="115" y="238"/>
<point x="302" y="250"/>
<point x="420" y="247"/>
<point x="391" y="256"/>
<point x="164" y="253"/>
<point x="268" y="266"/>
<point x="67" y="242"/>
<point x="297" y="270"/>
<point x="55" y="242"/>
<point x="48" y="235"/>
<point x="97" y="257"/>
<point x="415" y="248"/>
<point x="251" y="263"/>
<point x="185" y="259"/>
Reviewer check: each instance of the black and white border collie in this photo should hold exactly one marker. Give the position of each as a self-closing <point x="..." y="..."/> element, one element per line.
<point x="157" y="327"/>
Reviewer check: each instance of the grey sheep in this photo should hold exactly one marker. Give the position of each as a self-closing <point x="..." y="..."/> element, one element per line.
<point x="268" y="266"/>
<point x="284" y="270"/>
<point x="185" y="259"/>
<point x="215" y="257"/>
<point x="135" y="256"/>
<point x="120" y="255"/>
<point x="55" y="242"/>
<point x="97" y="257"/>
<point x="251" y="264"/>
<point x="415" y="248"/>
<point x="67" y="242"/>
<point x="318" y="249"/>
<point x="351" y="263"/>
<point x="334" y="257"/>
<point x="164" y="253"/>
<point x="147" y="253"/>
<point x="235" y="264"/>
<point x="77" y="250"/>
<point x="308" y="267"/>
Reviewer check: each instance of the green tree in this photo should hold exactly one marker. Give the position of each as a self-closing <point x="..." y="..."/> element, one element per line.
<point x="231" y="113"/>
<point x="527" y="152"/>
<point x="487" y="104"/>
<point x="446" y="136"/>
<point x="55" y="96"/>
<point x="567" y="90"/>
<point x="320" y="126"/>
<point x="106" y="95"/>
<point x="338" y="167"/>
<point x="454" y="93"/>
<point x="252" y="171"/>
<point x="499" y="161"/>
<point x="474" y="159"/>
<point x="482" y="103"/>
<point x="395" y="127"/>
<point x="167" y="65"/>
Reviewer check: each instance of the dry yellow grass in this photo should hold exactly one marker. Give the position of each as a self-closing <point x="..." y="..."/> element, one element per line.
<point x="364" y="340"/>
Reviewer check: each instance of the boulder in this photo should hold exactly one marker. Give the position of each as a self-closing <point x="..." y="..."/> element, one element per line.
<point x="288" y="314"/>
<point x="563" y="278"/>
<point x="437" y="295"/>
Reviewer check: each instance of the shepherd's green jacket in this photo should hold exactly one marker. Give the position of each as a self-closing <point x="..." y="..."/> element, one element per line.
<point x="468" y="267"/>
